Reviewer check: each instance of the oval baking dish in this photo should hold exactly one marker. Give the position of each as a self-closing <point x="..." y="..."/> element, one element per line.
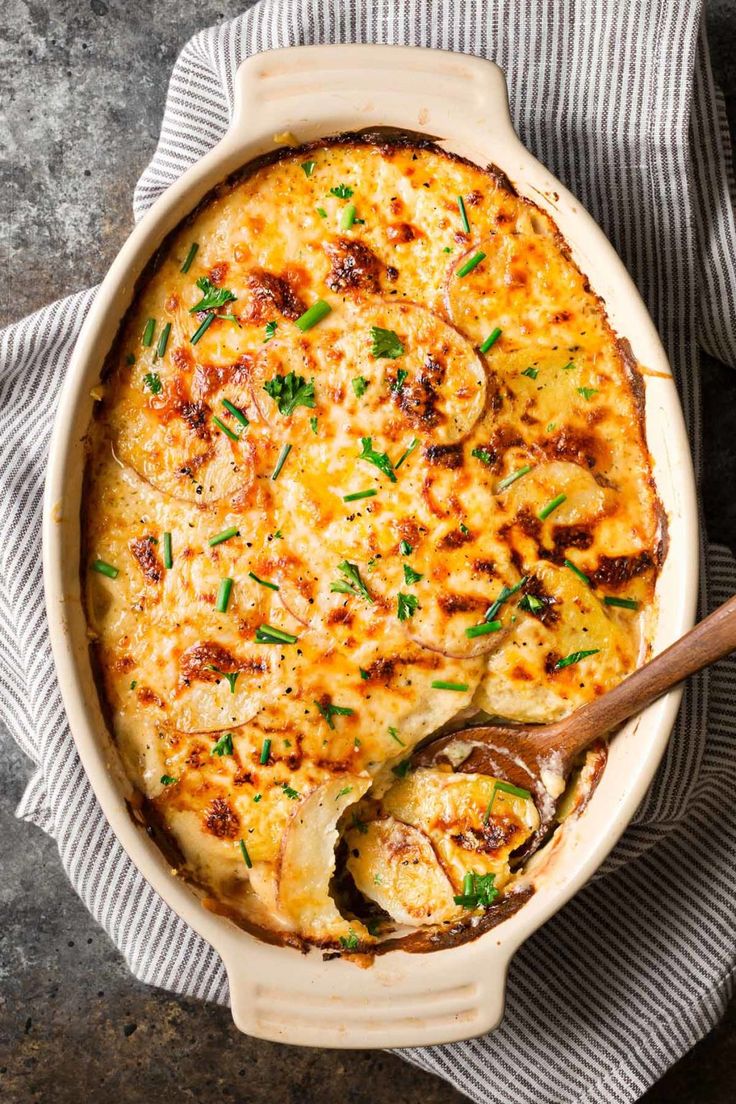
<point x="403" y="999"/>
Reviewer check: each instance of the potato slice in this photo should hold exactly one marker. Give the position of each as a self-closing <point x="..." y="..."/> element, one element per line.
<point x="522" y="682"/>
<point x="451" y="809"/>
<point x="307" y="861"/>
<point x="396" y="866"/>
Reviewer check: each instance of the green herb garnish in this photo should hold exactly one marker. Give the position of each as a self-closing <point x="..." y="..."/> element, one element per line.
<point x="483" y="455"/>
<point x="152" y="381"/>
<point x="506" y="593"/>
<point x="190" y="256"/>
<point x="321" y="212"/>
<point x="329" y="711"/>
<point x="313" y="315"/>
<point x="505" y="483"/>
<point x="223" y="595"/>
<point x="411" y="576"/>
<point x="225" y="535"/>
<point x="168" y="556"/>
<point x="574" y="657"/>
<point x="380" y="460"/>
<point x="356" y="495"/>
<point x="469" y="265"/>
<point x="286" y="449"/>
<point x="504" y="787"/>
<point x="289" y="392"/>
<point x="402" y="769"/>
<point x="271" y="328"/>
<point x="532" y="373"/>
<point x="348" y="217"/>
<point x="404" y="455"/>
<point x="341" y="191"/>
<point x="551" y="506"/>
<point x="576" y="571"/>
<point x="313" y="424"/>
<point x="244" y="852"/>
<point x="491" y="340"/>
<point x="201" y="330"/>
<point x="483" y="629"/>
<point x="231" y="676"/>
<point x="587" y="392"/>
<point x="263" y="582"/>
<point x="352" y="582"/>
<point x="163" y="340"/>
<point x="440" y="684"/>
<point x="463" y="214"/>
<point x="148" y="332"/>
<point x="291" y="793"/>
<point x="103" y="568"/>
<point x="265" y="751"/>
<point x="406" y="606"/>
<point x="267" y="634"/>
<point x="212" y="296"/>
<point x="394" y="734"/>
<point x="623" y="603"/>
<point x="386" y="344"/>
<point x="350" y="941"/>
<point x="531" y="603"/>
<point x="168" y="780"/>
<point x="224" y="745"/>
<point x="236" y="412"/>
<point x="400" y="380"/>
<point x="308" y="167"/>
<point x="360" y="386"/>
<point x="405" y="548"/>
<point x="478" y="891"/>
<point x="225" y="428"/>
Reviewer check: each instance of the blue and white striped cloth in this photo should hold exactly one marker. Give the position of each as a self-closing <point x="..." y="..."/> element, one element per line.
<point x="618" y="100"/>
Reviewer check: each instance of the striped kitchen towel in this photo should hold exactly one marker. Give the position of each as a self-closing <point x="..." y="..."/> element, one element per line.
<point x="618" y="100"/>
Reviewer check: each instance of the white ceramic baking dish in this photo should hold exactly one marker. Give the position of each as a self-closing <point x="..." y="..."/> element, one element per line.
<point x="404" y="999"/>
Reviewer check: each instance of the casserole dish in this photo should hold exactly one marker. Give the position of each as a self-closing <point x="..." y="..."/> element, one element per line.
<point x="458" y="992"/>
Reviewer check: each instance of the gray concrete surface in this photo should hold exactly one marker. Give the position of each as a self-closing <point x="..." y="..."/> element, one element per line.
<point x="82" y="85"/>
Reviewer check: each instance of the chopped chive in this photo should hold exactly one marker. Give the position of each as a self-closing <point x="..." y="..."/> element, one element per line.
<point x="505" y="483"/>
<point x="405" y="455"/>
<point x="363" y="673"/>
<point x="440" y="684"/>
<point x="236" y="413"/>
<point x="348" y="217"/>
<point x="223" y="595"/>
<point x="168" y="780"/>
<point x="623" y="603"/>
<point x="490" y="340"/>
<point x="265" y="751"/>
<point x="505" y="787"/>
<point x="463" y="214"/>
<point x="574" y="657"/>
<point x="168" y="557"/>
<point x="225" y="535"/>
<point x="225" y="429"/>
<point x="405" y="548"/>
<point x="246" y="857"/>
<point x="551" y="506"/>
<point x="147" y="338"/>
<point x="263" y="582"/>
<point x="506" y="593"/>
<point x="267" y="634"/>
<point x="224" y="745"/>
<point x="281" y="461"/>
<point x="474" y="261"/>
<point x="313" y="315"/>
<point x="105" y="569"/>
<point x="482" y="629"/>
<point x="313" y="424"/>
<point x="358" y="494"/>
<point x="447" y="249"/>
<point x="308" y="167"/>
<point x="202" y="328"/>
<point x="163" y="340"/>
<point x="576" y="571"/>
<point x="190" y="256"/>
<point x="394" y="734"/>
<point x="321" y="212"/>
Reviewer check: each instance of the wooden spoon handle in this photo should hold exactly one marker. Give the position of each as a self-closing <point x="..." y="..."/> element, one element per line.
<point x="709" y="641"/>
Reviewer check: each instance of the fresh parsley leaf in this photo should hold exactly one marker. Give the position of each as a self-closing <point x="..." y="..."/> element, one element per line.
<point x="463" y="528"/>
<point x="405" y="548"/>
<point x="400" y="379"/>
<point x="224" y="745"/>
<point x="341" y="191"/>
<point x="289" y="392"/>
<point x="308" y="167"/>
<point x="379" y="459"/>
<point x="133" y="684"/>
<point x="293" y="794"/>
<point x="587" y="392"/>
<point x="257" y="798"/>
<point x="167" y="780"/>
<point x="313" y="424"/>
<point x="482" y="454"/>
<point x="329" y="711"/>
<point x="350" y="941"/>
<point x="152" y="381"/>
<point x="363" y="673"/>
<point x="386" y="344"/>
<point x="271" y="328"/>
<point x="531" y="603"/>
<point x="532" y="373"/>
<point x="411" y="576"/>
<point x="278" y="535"/>
<point x="478" y="891"/>
<point x="212" y="297"/>
<point x="321" y="212"/>
<point x="402" y="769"/>
<point x="360" y="386"/>
<point x="352" y="583"/>
<point x="343" y="791"/>
<point x="407" y="606"/>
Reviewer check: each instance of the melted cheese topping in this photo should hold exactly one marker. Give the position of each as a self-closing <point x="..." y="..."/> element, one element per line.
<point x="518" y="475"/>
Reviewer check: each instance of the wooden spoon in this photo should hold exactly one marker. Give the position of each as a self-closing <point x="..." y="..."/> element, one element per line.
<point x="539" y="758"/>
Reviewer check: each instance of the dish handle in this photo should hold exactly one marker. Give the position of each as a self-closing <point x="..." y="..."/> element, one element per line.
<point x="312" y="91"/>
<point x="395" y="1001"/>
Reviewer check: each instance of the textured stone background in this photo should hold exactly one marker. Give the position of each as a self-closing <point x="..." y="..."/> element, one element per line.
<point x="82" y="85"/>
